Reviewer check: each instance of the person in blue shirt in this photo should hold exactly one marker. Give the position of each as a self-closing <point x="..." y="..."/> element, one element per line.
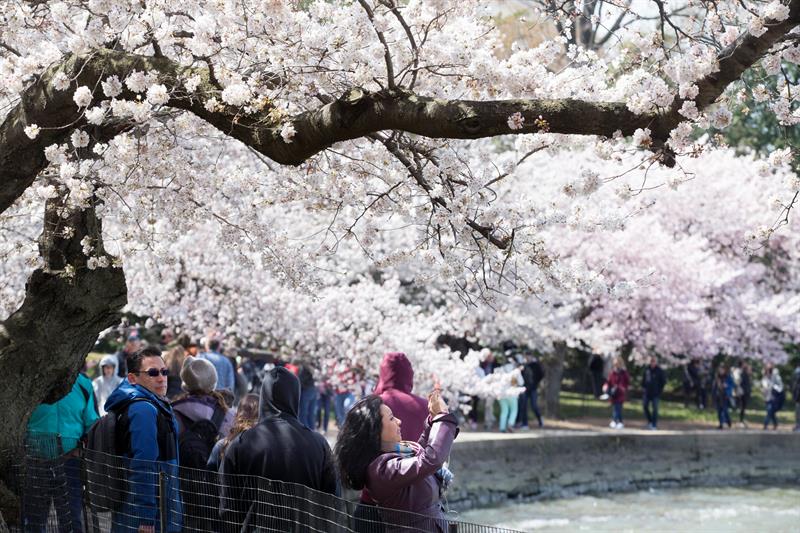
<point x="54" y="432"/>
<point x="148" y="432"/>
<point x="225" y="375"/>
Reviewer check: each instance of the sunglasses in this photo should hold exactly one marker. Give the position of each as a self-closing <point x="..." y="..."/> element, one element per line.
<point x="154" y="372"/>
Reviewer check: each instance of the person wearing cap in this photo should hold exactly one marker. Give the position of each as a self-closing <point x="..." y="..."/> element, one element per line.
<point x="200" y="398"/>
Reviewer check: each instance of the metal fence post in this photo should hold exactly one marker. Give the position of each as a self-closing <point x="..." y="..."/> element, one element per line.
<point x="162" y="500"/>
<point x="452" y="527"/>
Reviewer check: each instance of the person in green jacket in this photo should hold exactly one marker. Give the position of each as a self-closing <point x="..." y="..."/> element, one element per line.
<point x="53" y="471"/>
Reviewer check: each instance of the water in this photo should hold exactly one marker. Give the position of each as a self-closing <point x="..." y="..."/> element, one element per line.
<point x="727" y="510"/>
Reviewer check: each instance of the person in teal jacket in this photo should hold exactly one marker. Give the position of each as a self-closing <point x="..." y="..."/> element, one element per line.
<point x="54" y="470"/>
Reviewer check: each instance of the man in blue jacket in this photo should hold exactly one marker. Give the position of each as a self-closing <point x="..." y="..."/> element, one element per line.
<point x="148" y="432"/>
<point x="53" y="470"/>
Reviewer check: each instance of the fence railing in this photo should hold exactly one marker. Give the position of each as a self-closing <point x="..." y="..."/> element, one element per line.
<point x="99" y="493"/>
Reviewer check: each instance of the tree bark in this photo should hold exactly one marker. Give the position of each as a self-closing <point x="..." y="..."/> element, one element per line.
<point x="554" y="373"/>
<point x="44" y="343"/>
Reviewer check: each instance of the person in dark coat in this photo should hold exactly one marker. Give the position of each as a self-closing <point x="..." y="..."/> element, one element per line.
<point x="309" y="395"/>
<point x="394" y="387"/>
<point x="746" y="390"/>
<point x="722" y="395"/>
<point x="653" y="381"/>
<point x="596" y="367"/>
<point x="532" y="375"/>
<point x="278" y="448"/>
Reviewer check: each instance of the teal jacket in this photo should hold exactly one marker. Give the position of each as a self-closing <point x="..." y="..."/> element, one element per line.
<point x="55" y="428"/>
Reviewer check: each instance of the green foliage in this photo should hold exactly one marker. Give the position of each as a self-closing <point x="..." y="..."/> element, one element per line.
<point x="755" y="127"/>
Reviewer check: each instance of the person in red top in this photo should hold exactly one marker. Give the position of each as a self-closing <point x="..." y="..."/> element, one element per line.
<point x="616" y="387"/>
<point x="394" y="387"/>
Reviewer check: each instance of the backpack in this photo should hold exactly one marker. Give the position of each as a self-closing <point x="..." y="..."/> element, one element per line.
<point x="106" y="475"/>
<point x="198" y="439"/>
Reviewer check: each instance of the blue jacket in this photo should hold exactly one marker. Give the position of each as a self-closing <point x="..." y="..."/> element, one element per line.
<point x="56" y="428"/>
<point x="151" y="440"/>
<point x="226" y="379"/>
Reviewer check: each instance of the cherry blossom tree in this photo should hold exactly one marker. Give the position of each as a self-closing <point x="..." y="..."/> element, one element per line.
<point x="320" y="142"/>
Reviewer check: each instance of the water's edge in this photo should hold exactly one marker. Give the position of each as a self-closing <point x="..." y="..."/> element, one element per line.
<point x="493" y="472"/>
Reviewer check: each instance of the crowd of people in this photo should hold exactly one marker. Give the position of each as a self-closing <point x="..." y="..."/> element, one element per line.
<point x="729" y="388"/>
<point x="392" y="444"/>
<point x="184" y="410"/>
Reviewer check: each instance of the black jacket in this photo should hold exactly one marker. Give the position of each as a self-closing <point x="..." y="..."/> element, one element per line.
<point x="653" y="381"/>
<point x="532" y="375"/>
<point x="279" y="448"/>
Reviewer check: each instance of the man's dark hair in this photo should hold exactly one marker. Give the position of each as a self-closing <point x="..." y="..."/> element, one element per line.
<point x="213" y="345"/>
<point x="134" y="361"/>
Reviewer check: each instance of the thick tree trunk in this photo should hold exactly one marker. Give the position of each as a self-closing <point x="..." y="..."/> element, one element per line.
<point x="43" y="343"/>
<point x="554" y="372"/>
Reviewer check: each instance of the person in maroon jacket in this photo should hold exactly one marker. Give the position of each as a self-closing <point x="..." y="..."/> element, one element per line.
<point x="616" y="388"/>
<point x="401" y="477"/>
<point x="394" y="387"/>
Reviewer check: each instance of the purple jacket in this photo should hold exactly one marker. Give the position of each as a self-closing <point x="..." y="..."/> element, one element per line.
<point x="194" y="408"/>
<point x="409" y="483"/>
<point x="394" y="388"/>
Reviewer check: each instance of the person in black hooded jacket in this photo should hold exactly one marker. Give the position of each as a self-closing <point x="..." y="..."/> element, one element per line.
<point x="278" y="448"/>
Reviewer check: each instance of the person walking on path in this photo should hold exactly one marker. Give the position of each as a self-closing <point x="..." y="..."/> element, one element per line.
<point x="345" y="383"/>
<point x="394" y="386"/>
<point x="323" y="412"/>
<point x="722" y="395"/>
<point x="393" y="473"/>
<point x="745" y="391"/>
<point x="510" y="378"/>
<point x="54" y="433"/>
<point x="309" y="395"/>
<point x="772" y="387"/>
<point x="616" y="387"/>
<point x="279" y="448"/>
<point x="488" y="365"/>
<point x="596" y="367"/>
<point x="693" y="383"/>
<point x="653" y="382"/>
<point x="105" y="384"/>
<point x="532" y="375"/>
<point x="150" y="439"/>
<point x="796" y="395"/>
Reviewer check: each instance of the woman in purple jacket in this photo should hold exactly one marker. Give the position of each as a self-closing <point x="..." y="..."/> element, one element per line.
<point x="396" y="474"/>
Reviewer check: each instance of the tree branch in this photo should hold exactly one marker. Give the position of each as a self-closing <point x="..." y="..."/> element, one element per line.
<point x="357" y="113"/>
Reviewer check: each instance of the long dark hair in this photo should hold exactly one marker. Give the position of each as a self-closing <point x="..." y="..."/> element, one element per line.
<point x="359" y="441"/>
<point x="246" y="417"/>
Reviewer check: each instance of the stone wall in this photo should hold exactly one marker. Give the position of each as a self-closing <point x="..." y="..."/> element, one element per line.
<point x="543" y="466"/>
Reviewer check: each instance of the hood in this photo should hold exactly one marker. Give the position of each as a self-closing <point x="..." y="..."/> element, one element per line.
<point x="126" y="393"/>
<point x="396" y="373"/>
<point x="280" y="393"/>
<point x="107" y="360"/>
